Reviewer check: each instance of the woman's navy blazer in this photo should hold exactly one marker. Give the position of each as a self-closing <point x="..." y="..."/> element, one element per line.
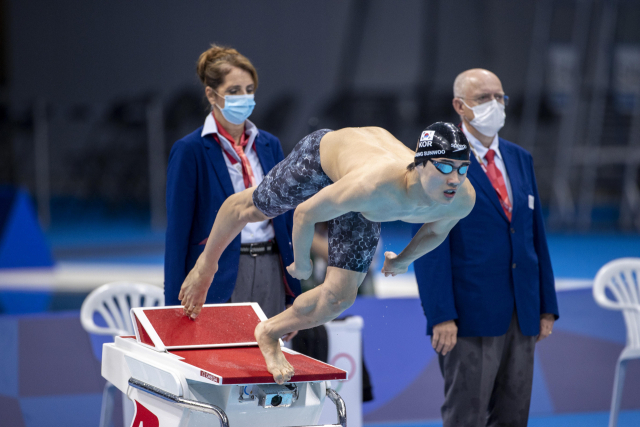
<point x="197" y="184"/>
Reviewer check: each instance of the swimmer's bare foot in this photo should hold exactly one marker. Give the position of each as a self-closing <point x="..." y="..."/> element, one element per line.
<point x="277" y="364"/>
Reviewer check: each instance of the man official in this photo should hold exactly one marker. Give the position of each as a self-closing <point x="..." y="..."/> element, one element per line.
<point x="488" y="290"/>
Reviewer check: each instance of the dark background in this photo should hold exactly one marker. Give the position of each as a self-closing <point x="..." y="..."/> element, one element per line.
<point x="85" y="76"/>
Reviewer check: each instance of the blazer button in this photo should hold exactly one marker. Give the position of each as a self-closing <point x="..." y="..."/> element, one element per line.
<point x="514" y="265"/>
<point x="513" y="230"/>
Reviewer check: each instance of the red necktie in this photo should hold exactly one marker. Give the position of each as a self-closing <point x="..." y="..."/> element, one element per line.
<point x="497" y="180"/>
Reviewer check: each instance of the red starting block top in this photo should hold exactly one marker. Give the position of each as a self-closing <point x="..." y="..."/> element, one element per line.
<point x="220" y="344"/>
<point x="245" y="365"/>
<point x="217" y="325"/>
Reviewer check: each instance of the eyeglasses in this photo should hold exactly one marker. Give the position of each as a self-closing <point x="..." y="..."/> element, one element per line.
<point x="502" y="99"/>
<point x="446" y="168"/>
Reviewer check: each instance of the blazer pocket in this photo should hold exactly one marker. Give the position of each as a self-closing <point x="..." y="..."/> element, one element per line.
<point x="527" y="197"/>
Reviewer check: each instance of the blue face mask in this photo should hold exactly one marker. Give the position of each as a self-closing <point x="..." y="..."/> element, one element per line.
<point x="237" y="108"/>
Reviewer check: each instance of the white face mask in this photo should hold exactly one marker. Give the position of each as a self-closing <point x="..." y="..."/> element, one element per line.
<point x="489" y="117"/>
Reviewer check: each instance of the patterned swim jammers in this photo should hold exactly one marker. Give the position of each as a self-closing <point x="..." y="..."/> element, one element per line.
<point x="352" y="238"/>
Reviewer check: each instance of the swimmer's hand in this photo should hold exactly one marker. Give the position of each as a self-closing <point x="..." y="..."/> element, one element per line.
<point x="301" y="271"/>
<point x="393" y="265"/>
<point x="193" y="292"/>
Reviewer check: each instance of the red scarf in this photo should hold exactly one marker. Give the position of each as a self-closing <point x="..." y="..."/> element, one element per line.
<point x="247" y="172"/>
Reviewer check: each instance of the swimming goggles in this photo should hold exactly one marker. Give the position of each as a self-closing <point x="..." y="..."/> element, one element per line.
<point x="446" y="168"/>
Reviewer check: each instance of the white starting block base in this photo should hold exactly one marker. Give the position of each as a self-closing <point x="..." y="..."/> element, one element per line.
<point x="226" y="385"/>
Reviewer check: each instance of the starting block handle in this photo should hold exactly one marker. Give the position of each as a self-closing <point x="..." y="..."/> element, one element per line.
<point x="341" y="408"/>
<point x="185" y="403"/>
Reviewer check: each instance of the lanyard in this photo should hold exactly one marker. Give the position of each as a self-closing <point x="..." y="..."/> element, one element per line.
<point x="478" y="158"/>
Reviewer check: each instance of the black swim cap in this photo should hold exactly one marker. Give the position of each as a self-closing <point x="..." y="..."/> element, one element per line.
<point x="440" y="140"/>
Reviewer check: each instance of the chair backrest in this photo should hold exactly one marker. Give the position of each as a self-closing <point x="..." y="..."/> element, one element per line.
<point x="621" y="278"/>
<point x="114" y="301"/>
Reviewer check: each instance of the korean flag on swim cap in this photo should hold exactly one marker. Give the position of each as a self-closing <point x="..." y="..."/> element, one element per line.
<point x="442" y="140"/>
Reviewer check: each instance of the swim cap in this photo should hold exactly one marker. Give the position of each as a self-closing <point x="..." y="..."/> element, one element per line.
<point x="440" y="140"/>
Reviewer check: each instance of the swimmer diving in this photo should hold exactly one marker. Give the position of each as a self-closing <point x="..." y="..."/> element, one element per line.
<point x="354" y="179"/>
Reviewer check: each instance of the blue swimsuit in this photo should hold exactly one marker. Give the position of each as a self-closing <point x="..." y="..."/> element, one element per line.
<point x="352" y="238"/>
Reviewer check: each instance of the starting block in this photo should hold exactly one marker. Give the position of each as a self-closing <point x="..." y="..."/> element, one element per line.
<point x="185" y="373"/>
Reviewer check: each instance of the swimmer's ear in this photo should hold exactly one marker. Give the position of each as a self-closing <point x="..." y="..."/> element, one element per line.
<point x="411" y="166"/>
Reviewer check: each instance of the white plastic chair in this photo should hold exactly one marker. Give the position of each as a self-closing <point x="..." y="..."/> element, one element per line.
<point x="113" y="302"/>
<point x="617" y="287"/>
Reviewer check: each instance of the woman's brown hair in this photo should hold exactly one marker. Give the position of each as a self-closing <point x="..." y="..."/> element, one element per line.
<point x="216" y="62"/>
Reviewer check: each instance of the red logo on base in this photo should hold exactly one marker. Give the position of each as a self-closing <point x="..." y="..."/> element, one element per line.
<point x="144" y="417"/>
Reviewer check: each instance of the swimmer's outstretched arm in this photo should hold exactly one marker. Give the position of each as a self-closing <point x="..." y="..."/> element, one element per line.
<point x="234" y="214"/>
<point x="329" y="203"/>
<point x="429" y="237"/>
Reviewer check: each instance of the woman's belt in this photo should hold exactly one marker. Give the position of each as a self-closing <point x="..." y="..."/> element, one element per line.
<point x="260" y="248"/>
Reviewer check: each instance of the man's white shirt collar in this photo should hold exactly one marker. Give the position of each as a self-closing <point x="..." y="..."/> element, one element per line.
<point x="477" y="145"/>
<point x="211" y="127"/>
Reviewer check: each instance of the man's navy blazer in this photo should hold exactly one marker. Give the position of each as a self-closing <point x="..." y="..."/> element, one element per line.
<point x="488" y="266"/>
<point x="198" y="183"/>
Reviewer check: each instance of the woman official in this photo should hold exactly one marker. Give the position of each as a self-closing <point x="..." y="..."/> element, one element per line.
<point x="225" y="156"/>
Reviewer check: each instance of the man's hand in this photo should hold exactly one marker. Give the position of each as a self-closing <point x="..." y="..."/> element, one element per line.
<point x="301" y="271"/>
<point x="392" y="265"/>
<point x="445" y="336"/>
<point x="193" y="292"/>
<point x="546" y="325"/>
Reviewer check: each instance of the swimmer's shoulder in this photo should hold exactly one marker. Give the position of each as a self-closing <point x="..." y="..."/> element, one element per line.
<point x="465" y="200"/>
<point x="365" y="181"/>
<point x="379" y="174"/>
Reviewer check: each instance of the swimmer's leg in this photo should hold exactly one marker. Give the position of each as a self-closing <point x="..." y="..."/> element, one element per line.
<point x="234" y="214"/>
<point x="315" y="307"/>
